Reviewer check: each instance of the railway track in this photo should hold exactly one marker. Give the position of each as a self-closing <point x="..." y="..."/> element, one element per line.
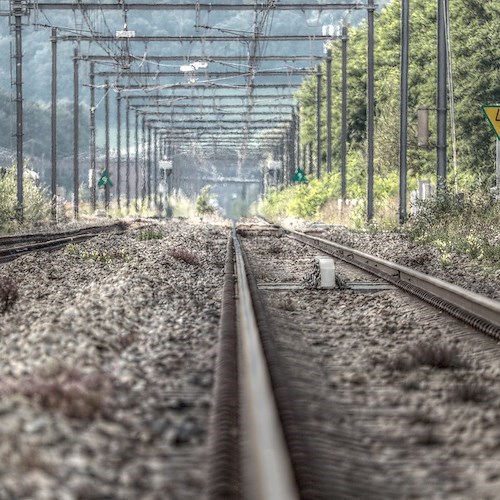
<point x="14" y="246"/>
<point x="347" y="446"/>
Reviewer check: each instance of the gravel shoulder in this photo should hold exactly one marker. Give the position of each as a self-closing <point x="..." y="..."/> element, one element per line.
<point x="107" y="366"/>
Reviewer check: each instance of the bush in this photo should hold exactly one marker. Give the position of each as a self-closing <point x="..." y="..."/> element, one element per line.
<point x="36" y="199"/>
<point x="205" y="203"/>
<point x="461" y="225"/>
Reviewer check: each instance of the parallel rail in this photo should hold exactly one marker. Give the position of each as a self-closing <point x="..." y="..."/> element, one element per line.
<point x="13" y="246"/>
<point x="267" y="472"/>
<point x="261" y="442"/>
<point x="470" y="307"/>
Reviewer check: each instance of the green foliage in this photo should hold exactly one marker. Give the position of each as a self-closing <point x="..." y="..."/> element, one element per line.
<point x="97" y="255"/>
<point x="205" y="203"/>
<point x="466" y="225"/>
<point x="36" y="200"/>
<point x="150" y="233"/>
<point x="476" y="70"/>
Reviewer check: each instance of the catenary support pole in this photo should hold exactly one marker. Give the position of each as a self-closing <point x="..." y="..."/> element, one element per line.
<point x="136" y="162"/>
<point x="343" y="139"/>
<point x="155" y="168"/>
<point x="293" y="158"/>
<point x="148" y="159"/>
<point x="76" y="119"/>
<point x="442" y="97"/>
<point x="93" y="166"/>
<point x="329" y="111"/>
<point x="53" y="127"/>
<point x="127" y="146"/>
<point x="118" y="148"/>
<point x="144" y="161"/>
<point x="318" y="122"/>
<point x="370" y="126"/>
<point x="403" y="132"/>
<point x="106" y="122"/>
<point x="18" y="13"/>
<point x="297" y="138"/>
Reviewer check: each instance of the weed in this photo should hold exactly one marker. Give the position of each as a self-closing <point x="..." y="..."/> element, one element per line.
<point x="73" y="393"/>
<point x="436" y="355"/>
<point x="420" y="417"/>
<point x="427" y="437"/>
<point x="286" y="304"/>
<point x="274" y="248"/>
<point x="72" y="249"/>
<point x="9" y="293"/>
<point x="150" y="233"/>
<point x="469" y="392"/>
<point x="184" y="255"/>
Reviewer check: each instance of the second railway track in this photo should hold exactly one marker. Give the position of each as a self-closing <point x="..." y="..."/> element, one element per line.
<point x="376" y="386"/>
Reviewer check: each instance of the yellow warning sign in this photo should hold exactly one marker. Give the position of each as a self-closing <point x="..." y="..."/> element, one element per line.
<point x="492" y="112"/>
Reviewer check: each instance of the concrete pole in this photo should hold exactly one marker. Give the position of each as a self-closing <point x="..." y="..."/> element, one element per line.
<point x="329" y="111"/>
<point x="118" y="147"/>
<point x="403" y="133"/>
<point x="136" y="162"/>
<point x="93" y="166"/>
<point x="442" y="98"/>
<point x="76" y="119"/>
<point x="53" y="126"/>
<point x="18" y="13"/>
<point x="106" y="122"/>
<point x="143" y="163"/>
<point x="297" y="137"/>
<point x="370" y="129"/>
<point x="127" y="146"/>
<point x="148" y="164"/>
<point x="343" y="139"/>
<point x="318" y="122"/>
<point x="155" y="167"/>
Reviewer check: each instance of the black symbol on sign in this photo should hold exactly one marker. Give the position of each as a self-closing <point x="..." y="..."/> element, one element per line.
<point x="497" y="119"/>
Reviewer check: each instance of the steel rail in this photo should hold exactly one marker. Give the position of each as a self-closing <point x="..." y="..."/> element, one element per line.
<point x="14" y="239"/>
<point x="271" y="474"/>
<point x="54" y="241"/>
<point x="470" y="307"/>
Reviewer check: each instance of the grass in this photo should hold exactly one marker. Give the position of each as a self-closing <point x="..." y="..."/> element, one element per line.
<point x="433" y="354"/>
<point x="150" y="233"/>
<point x="69" y="391"/>
<point x="470" y="391"/>
<point x="467" y="226"/>
<point x="103" y="256"/>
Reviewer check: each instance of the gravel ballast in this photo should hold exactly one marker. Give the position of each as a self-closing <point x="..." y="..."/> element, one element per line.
<point x="107" y="366"/>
